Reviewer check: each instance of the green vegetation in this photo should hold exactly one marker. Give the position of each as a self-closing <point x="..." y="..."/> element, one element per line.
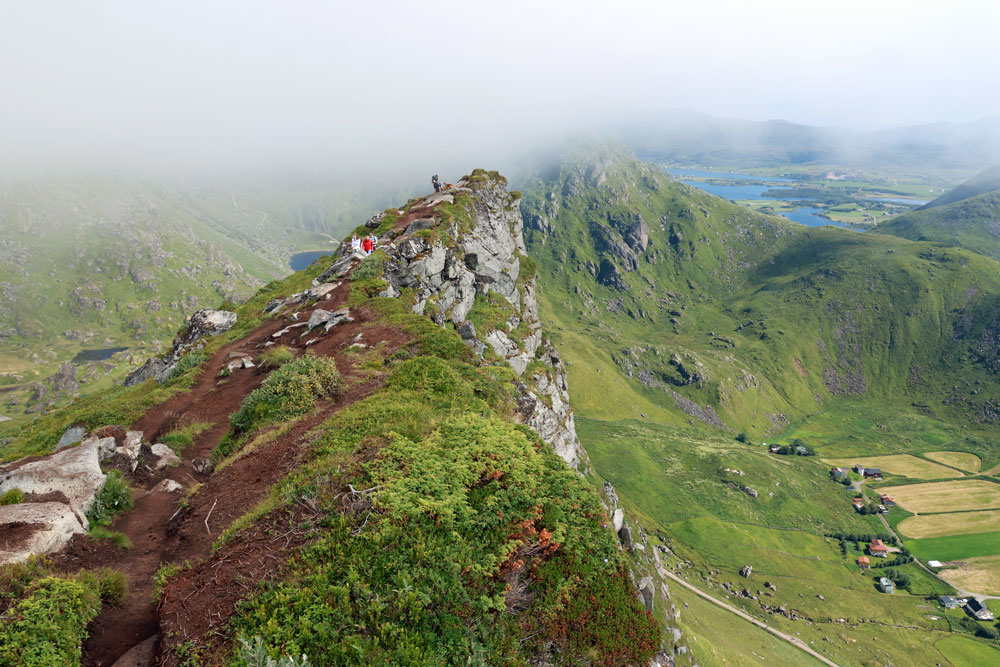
<point x="120" y="539"/>
<point x="276" y="356"/>
<point x="288" y="392"/>
<point x="47" y="626"/>
<point x="182" y="437"/>
<point x="114" y="498"/>
<point x="113" y="586"/>
<point x="955" y="547"/>
<point x="163" y="574"/>
<point x="965" y="652"/>
<point x="12" y="497"/>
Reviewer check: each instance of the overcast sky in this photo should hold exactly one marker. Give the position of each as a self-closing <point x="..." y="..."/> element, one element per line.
<point x="222" y="83"/>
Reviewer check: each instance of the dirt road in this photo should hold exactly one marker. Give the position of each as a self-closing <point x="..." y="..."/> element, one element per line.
<point x="798" y="643"/>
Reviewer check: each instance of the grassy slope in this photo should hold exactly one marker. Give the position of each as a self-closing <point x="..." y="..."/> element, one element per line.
<point x="972" y="223"/>
<point x="906" y="317"/>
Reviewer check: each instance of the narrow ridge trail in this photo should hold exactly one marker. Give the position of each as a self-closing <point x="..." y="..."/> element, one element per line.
<point x="157" y="532"/>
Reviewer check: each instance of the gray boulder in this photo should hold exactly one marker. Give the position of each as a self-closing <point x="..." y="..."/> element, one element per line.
<point x="74" y="472"/>
<point x="36" y="528"/>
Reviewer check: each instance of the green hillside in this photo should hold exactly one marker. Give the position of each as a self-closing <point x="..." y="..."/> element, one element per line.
<point x="966" y="217"/>
<point x="695" y="308"/>
<point x="693" y="328"/>
<point x="987" y="181"/>
<point x="114" y="262"/>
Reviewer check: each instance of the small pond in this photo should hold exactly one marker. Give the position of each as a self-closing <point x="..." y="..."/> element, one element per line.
<point x="102" y="354"/>
<point x="302" y="260"/>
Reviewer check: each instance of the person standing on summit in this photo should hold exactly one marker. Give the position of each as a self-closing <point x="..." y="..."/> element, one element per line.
<point x="436" y="182"/>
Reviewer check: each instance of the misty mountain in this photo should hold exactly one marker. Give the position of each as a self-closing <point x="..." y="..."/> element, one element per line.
<point x="690" y="137"/>
<point x="987" y="181"/>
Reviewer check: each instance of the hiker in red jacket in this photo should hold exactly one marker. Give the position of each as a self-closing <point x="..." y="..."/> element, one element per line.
<point x="367" y="246"/>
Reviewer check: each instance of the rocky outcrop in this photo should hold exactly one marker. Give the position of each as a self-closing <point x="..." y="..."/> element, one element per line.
<point x="59" y="491"/>
<point x="448" y="260"/>
<point x="205" y="322"/>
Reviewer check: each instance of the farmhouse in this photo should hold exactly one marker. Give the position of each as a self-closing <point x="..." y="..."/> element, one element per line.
<point x="838" y="473"/>
<point x="886" y="585"/>
<point x="878" y="548"/>
<point x="863" y="562"/>
<point x="873" y="473"/>
<point x="887" y="501"/>
<point x="948" y="601"/>
<point x="978" y="610"/>
<point x="858" y="468"/>
<point x="859" y="508"/>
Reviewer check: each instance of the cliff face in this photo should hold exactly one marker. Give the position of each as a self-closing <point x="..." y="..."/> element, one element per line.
<point x="462" y="253"/>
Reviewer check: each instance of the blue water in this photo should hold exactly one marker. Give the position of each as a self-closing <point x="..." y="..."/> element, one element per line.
<point x="695" y="173"/>
<point x="302" y="260"/>
<point x="97" y="355"/>
<point x="733" y="192"/>
<point x="806" y="215"/>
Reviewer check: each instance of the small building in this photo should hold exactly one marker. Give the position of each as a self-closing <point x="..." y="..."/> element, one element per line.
<point x="838" y="473"/>
<point x="935" y="563"/>
<point x="774" y="449"/>
<point x="885" y="585"/>
<point x="978" y="610"/>
<point x="802" y="451"/>
<point x="887" y="501"/>
<point x="859" y="507"/>
<point x="878" y="548"/>
<point x="882" y="509"/>
<point x="863" y="562"/>
<point x="858" y="468"/>
<point x="859" y="499"/>
<point x="948" y="601"/>
<point x="872" y="473"/>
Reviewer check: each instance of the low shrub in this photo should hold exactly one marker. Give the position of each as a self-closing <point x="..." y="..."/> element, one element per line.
<point x="370" y="267"/>
<point x="12" y="497"/>
<point x="48" y="626"/>
<point x="113" y="586"/>
<point x="120" y="539"/>
<point x="288" y="392"/>
<point x="276" y="356"/>
<point x="189" y="361"/>
<point x="114" y="498"/>
<point x="163" y="573"/>
<point x="254" y="654"/>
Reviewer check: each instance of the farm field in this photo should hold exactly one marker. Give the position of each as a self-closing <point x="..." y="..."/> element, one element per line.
<point x="955" y="547"/>
<point x="965" y="652"/>
<point x="952" y="496"/>
<point x="951" y="523"/>
<point x="981" y="574"/>
<point x="961" y="460"/>
<point x="906" y="465"/>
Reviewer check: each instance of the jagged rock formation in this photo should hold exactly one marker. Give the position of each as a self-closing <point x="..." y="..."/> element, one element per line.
<point x="205" y="322"/>
<point x="478" y="251"/>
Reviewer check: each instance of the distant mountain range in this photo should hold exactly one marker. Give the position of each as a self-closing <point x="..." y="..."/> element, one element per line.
<point x="690" y="137"/>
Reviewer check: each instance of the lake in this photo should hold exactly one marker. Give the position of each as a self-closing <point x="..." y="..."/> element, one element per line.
<point x="807" y="215"/>
<point x="102" y="354"/>
<point x="302" y="260"/>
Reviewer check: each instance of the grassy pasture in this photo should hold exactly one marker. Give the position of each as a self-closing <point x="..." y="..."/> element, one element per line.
<point x="961" y="460"/>
<point x="952" y="496"/>
<point x="719" y="637"/>
<point x="955" y="547"/>
<point x="900" y="464"/>
<point x="951" y="523"/>
<point x="966" y="652"/>
<point x="981" y="574"/>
